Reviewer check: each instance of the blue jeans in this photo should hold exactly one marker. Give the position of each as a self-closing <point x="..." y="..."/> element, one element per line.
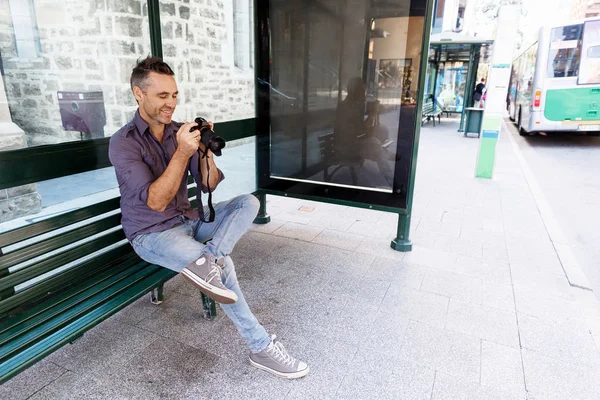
<point x="177" y="247"/>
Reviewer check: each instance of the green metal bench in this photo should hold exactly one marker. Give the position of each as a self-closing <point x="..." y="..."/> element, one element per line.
<point x="430" y="112"/>
<point x="61" y="276"/>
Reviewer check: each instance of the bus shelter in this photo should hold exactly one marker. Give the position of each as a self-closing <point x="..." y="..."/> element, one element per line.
<point x="453" y="62"/>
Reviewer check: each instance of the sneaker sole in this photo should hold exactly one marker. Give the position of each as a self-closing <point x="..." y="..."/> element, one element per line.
<point x="289" y="375"/>
<point x="218" y="295"/>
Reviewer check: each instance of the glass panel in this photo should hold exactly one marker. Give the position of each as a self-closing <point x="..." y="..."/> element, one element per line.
<point x="527" y="72"/>
<point x="589" y="70"/>
<point x="450" y="86"/>
<point x="565" y="49"/>
<point x="27" y="204"/>
<point x="343" y="77"/>
<point x="208" y="46"/>
<point x="66" y="68"/>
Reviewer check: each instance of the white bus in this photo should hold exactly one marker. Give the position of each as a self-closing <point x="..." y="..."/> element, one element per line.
<point x="555" y="83"/>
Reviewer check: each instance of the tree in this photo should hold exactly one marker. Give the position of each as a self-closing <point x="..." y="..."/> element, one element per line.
<point x="486" y="15"/>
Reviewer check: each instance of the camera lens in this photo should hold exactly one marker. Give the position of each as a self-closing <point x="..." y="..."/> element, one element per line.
<point x="216" y="144"/>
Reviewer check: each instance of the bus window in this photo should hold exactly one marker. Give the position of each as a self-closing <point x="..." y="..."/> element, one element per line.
<point x="565" y="50"/>
<point x="589" y="71"/>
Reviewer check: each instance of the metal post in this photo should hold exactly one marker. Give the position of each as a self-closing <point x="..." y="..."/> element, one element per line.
<point x="402" y="241"/>
<point x="209" y="307"/>
<point x="262" y="217"/>
<point x="156" y="295"/>
<point x="467" y="95"/>
<point x="154" y="22"/>
<point x="305" y="87"/>
<point x="435" y="76"/>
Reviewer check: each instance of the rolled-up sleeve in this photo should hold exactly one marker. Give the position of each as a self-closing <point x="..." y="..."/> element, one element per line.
<point x="133" y="174"/>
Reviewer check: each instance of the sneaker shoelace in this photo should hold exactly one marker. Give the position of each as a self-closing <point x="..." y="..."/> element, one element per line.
<point x="214" y="273"/>
<point x="280" y="353"/>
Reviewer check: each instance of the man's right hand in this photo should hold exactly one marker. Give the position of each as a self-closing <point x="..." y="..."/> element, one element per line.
<point x="188" y="142"/>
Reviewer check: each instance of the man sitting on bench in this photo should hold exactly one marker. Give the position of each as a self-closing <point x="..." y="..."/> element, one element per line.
<point x="152" y="158"/>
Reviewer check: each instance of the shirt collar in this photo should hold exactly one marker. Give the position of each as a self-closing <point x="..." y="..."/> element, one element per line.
<point x="142" y="126"/>
<point x="139" y="122"/>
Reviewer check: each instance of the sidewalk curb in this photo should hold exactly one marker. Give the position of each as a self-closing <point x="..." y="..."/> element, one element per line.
<point x="570" y="265"/>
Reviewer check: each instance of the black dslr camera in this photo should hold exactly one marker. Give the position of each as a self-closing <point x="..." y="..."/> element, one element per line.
<point x="212" y="142"/>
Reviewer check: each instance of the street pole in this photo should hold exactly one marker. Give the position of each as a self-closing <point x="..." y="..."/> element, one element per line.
<point x="497" y="86"/>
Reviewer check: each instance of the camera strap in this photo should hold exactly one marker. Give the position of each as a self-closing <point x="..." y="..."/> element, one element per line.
<point x="211" y="217"/>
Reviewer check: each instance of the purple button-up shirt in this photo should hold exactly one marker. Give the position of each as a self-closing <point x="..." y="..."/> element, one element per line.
<point x="139" y="159"/>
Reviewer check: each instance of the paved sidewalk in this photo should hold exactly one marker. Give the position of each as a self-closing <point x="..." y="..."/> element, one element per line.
<point x="480" y="309"/>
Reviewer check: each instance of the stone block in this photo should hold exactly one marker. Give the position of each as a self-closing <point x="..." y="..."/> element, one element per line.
<point x="107" y="26"/>
<point x="184" y="12"/>
<point x="3" y="194"/>
<point x="11" y="137"/>
<point x="51" y="85"/>
<point x="484" y="322"/>
<point x="565" y="340"/>
<point x="178" y="30"/>
<point x="120" y="48"/>
<point x="14" y="90"/>
<point x="30" y="381"/>
<point x="125" y="6"/>
<point x="298" y="231"/>
<point x="170" y="50"/>
<point x="21" y="190"/>
<point x="448" y="352"/>
<point x="20" y="206"/>
<point x="338" y="239"/>
<point x="447" y="387"/>
<point x="371" y="376"/>
<point x="555" y="379"/>
<point x="94" y="77"/>
<point x="167" y="8"/>
<point x="167" y="30"/>
<point x="431" y="309"/>
<point x="63" y="62"/>
<point x="128" y="26"/>
<point x="31" y="89"/>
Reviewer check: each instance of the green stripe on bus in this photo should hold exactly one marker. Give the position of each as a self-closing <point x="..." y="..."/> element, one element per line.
<point x="578" y="104"/>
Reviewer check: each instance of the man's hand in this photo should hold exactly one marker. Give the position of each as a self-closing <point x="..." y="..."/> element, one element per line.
<point x="188" y="142"/>
<point x="202" y="146"/>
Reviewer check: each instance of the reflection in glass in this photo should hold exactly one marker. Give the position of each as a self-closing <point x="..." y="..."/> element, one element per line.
<point x="565" y="51"/>
<point x="589" y="70"/>
<point x="66" y="69"/>
<point x="342" y="90"/>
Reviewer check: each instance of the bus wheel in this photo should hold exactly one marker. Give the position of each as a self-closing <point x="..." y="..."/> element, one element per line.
<point x="522" y="131"/>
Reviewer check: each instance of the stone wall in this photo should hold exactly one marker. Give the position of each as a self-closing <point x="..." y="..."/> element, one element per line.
<point x="90" y="45"/>
<point x="21" y="200"/>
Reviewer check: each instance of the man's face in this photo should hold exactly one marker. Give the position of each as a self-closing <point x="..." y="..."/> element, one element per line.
<point x="158" y="100"/>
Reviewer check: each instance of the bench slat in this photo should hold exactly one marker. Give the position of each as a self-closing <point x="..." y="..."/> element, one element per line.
<point x="88" y="268"/>
<point x="56" y="242"/>
<point x="78" y="310"/>
<point x="57" y="222"/>
<point x="68" y="300"/>
<point x="68" y="333"/>
<point x="60" y="259"/>
<point x="113" y="267"/>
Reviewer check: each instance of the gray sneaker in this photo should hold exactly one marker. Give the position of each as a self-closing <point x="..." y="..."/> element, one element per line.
<point x="276" y="360"/>
<point x="205" y="274"/>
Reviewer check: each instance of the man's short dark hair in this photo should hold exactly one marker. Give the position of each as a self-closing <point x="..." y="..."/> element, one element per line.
<point x="144" y="67"/>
